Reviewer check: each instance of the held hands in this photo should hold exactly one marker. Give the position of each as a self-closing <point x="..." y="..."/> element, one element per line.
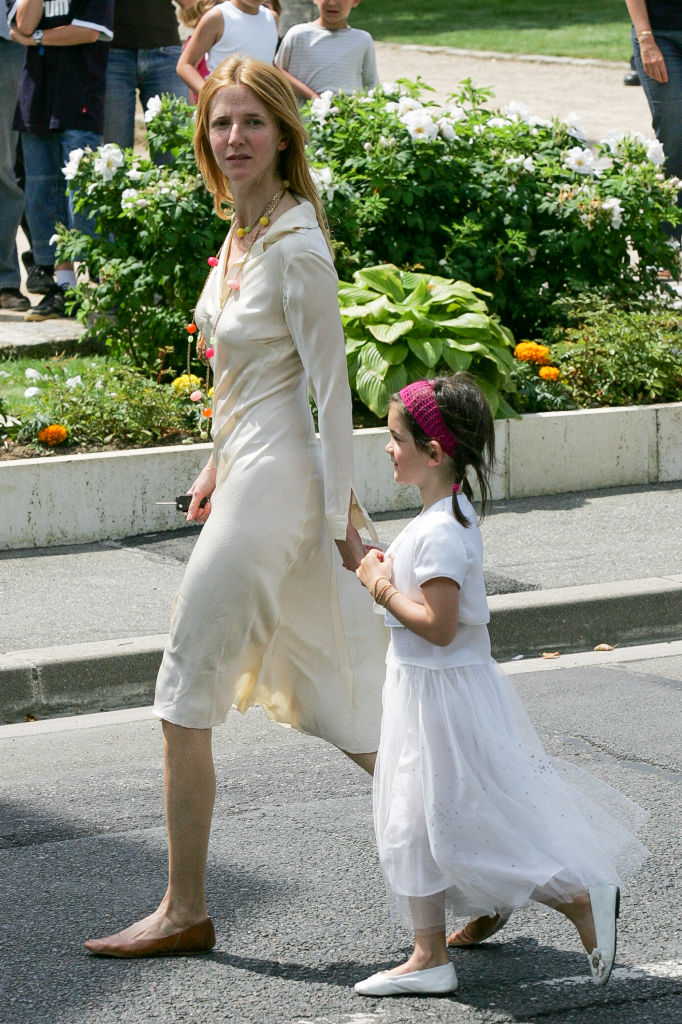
<point x="374" y="566"/>
<point x="653" y="60"/>
<point x="203" y="487"/>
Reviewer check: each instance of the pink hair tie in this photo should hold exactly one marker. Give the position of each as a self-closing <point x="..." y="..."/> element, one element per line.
<point x="419" y="401"/>
<point x="455" y="488"/>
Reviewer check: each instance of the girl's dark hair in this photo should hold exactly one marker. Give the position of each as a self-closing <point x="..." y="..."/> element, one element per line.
<point x="467" y="415"/>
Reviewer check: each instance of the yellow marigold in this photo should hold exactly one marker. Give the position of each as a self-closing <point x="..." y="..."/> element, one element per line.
<point x="531" y="352"/>
<point x="54" y="434"/>
<point x="549" y="372"/>
<point x="185" y="384"/>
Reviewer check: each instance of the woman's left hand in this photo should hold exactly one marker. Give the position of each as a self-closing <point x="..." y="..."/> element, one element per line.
<point x="374" y="566"/>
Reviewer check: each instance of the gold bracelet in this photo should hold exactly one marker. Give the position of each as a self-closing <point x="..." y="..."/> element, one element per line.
<point x="386" y="595"/>
<point x="374" y="585"/>
<point x="645" y="33"/>
<point x="380" y="591"/>
<point x="392" y="594"/>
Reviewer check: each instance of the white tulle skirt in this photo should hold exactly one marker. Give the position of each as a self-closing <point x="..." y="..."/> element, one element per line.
<point x="472" y="816"/>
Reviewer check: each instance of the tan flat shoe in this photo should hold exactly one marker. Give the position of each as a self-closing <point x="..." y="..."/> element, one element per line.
<point x="200" y="938"/>
<point x="466" y="936"/>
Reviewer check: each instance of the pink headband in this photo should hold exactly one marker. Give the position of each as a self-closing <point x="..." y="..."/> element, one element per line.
<point x="419" y="401"/>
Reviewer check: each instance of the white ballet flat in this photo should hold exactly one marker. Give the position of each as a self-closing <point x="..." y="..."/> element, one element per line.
<point x="436" y="981"/>
<point x="605" y="902"/>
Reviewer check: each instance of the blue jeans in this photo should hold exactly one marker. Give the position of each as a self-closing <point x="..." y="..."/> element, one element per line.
<point x="47" y="203"/>
<point x="665" y="103"/>
<point x="11" y="197"/>
<point x="152" y="72"/>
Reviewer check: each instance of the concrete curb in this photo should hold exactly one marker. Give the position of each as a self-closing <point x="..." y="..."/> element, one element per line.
<point x="524" y="58"/>
<point x="121" y="673"/>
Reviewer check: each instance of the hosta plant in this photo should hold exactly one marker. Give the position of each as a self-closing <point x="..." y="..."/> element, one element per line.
<point x="401" y="326"/>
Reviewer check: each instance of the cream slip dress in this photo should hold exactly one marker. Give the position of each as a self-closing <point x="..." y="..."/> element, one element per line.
<point x="266" y="613"/>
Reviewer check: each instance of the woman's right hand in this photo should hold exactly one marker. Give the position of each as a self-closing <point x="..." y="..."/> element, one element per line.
<point x="203" y="487"/>
<point x="653" y="60"/>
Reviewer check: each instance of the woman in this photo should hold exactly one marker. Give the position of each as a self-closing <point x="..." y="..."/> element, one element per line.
<point x="265" y="613"/>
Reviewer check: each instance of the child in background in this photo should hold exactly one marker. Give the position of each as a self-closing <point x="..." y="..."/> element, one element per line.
<point x="469" y="811"/>
<point x="243" y="27"/>
<point x="327" y="54"/>
<point x="191" y="16"/>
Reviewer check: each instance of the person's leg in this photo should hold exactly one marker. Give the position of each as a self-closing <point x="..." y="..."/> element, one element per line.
<point x="157" y="76"/>
<point x="11" y="196"/>
<point x="70" y="140"/>
<point x="665" y="103"/>
<point x="189" y="790"/>
<point x="119" y="102"/>
<point x="46" y="204"/>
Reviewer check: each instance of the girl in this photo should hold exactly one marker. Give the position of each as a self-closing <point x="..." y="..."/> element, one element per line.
<point x="468" y="811"/>
<point x="243" y="27"/>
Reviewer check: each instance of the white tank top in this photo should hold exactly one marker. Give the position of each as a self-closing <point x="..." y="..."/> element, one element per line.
<point x="251" y="35"/>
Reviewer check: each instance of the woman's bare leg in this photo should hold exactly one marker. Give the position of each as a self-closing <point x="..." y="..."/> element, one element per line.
<point x="366" y="761"/>
<point x="189" y="790"/>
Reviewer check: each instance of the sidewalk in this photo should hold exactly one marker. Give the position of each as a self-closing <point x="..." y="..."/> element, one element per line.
<point x="84" y="626"/>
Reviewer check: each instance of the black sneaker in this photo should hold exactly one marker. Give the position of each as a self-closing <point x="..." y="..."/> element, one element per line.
<point x="11" y="298"/>
<point x="39" y="280"/>
<point x="51" y="307"/>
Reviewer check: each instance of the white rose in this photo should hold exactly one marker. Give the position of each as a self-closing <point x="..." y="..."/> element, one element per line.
<point x="70" y="169"/>
<point x="153" y="108"/>
<point x="446" y="129"/>
<point x="654" y="152"/>
<point x="32" y="374"/>
<point x="406" y="105"/>
<point x="574" y="127"/>
<point x="517" y="111"/>
<point x="580" y="160"/>
<point x="498" y="122"/>
<point x="321" y="106"/>
<point x="455" y="112"/>
<point x="391" y="107"/>
<point x="74" y="382"/>
<point x="134" y="174"/>
<point x="322" y="177"/>
<point x="614" y="208"/>
<point x="108" y="160"/>
<point x="128" y="198"/>
<point x="529" y="164"/>
<point x="31" y="392"/>
<point x="421" y="127"/>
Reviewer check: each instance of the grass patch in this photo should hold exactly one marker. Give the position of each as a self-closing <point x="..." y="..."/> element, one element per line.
<point x="575" y="28"/>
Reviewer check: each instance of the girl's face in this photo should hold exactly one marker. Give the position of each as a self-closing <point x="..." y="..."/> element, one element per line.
<point x="244" y="137"/>
<point x="410" y="464"/>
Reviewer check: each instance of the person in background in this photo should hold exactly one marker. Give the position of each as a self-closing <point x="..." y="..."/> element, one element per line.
<point x="294" y="12"/>
<point x="327" y="54"/>
<point x="191" y="16"/>
<point x="237" y="27"/>
<point x="143" y="58"/>
<point x="657" y="47"/>
<point x="60" y="109"/>
<point x="11" y="196"/>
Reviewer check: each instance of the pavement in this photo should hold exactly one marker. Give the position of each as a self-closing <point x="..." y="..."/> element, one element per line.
<point x="83" y="627"/>
<point x="294" y="885"/>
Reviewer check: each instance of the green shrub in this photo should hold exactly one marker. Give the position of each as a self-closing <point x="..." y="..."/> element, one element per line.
<point x="401" y="326"/>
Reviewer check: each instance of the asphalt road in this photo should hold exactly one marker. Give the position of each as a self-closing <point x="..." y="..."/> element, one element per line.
<point x="294" y="884"/>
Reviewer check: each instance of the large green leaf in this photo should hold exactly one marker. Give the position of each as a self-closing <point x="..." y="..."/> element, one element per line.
<point x="419" y="292"/>
<point x="490" y="392"/>
<point x="456" y="359"/>
<point x="351" y="293"/>
<point x="375" y="392"/>
<point x="393" y="354"/>
<point x="389" y="333"/>
<point x="429" y="350"/>
<point x="353" y="344"/>
<point x="471" y="325"/>
<point x="380" y="358"/>
<point x="384" y="279"/>
<point x="374" y="310"/>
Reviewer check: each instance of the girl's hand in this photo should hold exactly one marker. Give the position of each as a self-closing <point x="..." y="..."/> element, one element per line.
<point x="653" y="60"/>
<point x="203" y="487"/>
<point x="374" y="565"/>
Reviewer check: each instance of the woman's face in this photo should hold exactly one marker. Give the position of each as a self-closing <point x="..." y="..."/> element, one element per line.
<point x="244" y="137"/>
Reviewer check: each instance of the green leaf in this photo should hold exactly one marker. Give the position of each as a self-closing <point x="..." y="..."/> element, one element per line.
<point x="490" y="392"/>
<point x="419" y="293"/>
<point x="389" y="333"/>
<point x="471" y="325"/>
<point x="351" y="293"/>
<point x="383" y="279"/>
<point x="373" y="391"/>
<point x="375" y="309"/>
<point x="456" y="359"/>
<point x="429" y="350"/>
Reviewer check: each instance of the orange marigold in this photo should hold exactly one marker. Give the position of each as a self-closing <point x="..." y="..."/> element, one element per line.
<point x="54" y="434"/>
<point x="549" y="372"/>
<point x="531" y="352"/>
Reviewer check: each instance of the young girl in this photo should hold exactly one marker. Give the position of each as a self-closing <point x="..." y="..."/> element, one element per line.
<point x="470" y="815"/>
<point x="244" y="27"/>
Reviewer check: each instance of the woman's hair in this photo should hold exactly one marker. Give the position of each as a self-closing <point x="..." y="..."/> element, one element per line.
<point x="468" y="417"/>
<point x="191" y="16"/>
<point x="273" y="90"/>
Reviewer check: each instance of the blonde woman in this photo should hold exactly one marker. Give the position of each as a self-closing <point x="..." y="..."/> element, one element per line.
<point x="266" y="613"/>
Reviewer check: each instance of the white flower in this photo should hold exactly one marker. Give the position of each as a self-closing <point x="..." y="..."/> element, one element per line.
<point x="390" y="88"/>
<point x="321" y="106"/>
<point x="4" y="373"/>
<point x="654" y="152"/>
<point x="529" y="164"/>
<point x="73" y="382"/>
<point x="32" y="374"/>
<point x="53" y="240"/>
<point x="446" y="129"/>
<point x="322" y="177"/>
<point x="538" y="122"/>
<point x="574" y="127"/>
<point x="369" y="98"/>
<point x="108" y="160"/>
<point x="455" y="113"/>
<point x="498" y="122"/>
<point x="514" y="161"/>
<point x="479" y="129"/>
<point x="31" y="392"/>
<point x="391" y="107"/>
<point x="142" y="202"/>
<point x="128" y="198"/>
<point x="421" y="127"/>
<point x="517" y="111"/>
<point x="153" y="108"/>
<point x="134" y="174"/>
<point x="99" y="385"/>
<point x="70" y="169"/>
<point x="406" y="105"/>
<point x="614" y="208"/>
<point x="367" y="147"/>
<point x="580" y="160"/>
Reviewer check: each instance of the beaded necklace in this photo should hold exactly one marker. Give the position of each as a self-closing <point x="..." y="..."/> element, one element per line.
<point x="228" y="288"/>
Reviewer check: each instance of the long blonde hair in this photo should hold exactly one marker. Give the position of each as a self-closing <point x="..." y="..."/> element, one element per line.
<point x="273" y="90"/>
